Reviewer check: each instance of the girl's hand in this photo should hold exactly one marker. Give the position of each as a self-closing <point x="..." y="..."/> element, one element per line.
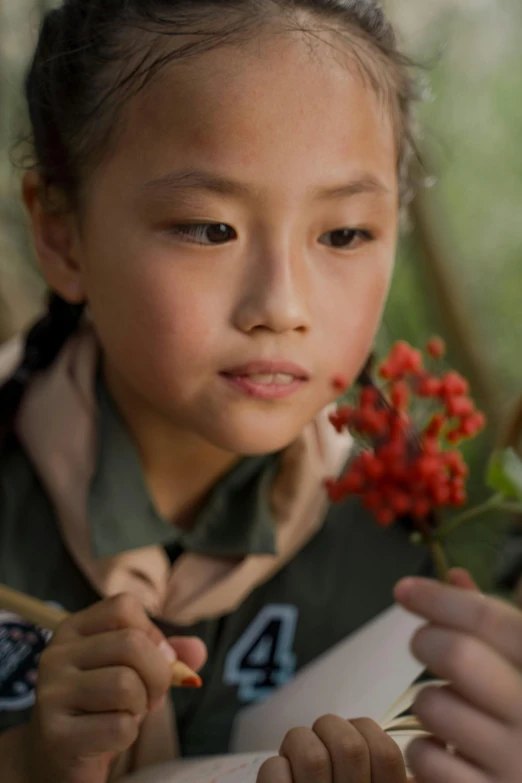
<point x="104" y="670"/>
<point x="474" y="642"/>
<point x="336" y="751"/>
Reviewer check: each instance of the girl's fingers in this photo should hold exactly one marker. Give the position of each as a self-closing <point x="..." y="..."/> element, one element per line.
<point x="275" y="770"/>
<point x="129" y="648"/>
<point x="308" y="757"/>
<point x="386" y="759"/>
<point x="476" y="671"/>
<point x="190" y="650"/>
<point x="488" y="619"/>
<point x="431" y="763"/>
<point x="347" y="749"/>
<point x="117" y="689"/>
<point x="460" y="577"/>
<point x="92" y="735"/>
<point x="112" y="614"/>
<point x="476" y="736"/>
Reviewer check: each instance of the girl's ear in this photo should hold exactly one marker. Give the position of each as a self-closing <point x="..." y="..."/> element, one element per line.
<point x="55" y="233"/>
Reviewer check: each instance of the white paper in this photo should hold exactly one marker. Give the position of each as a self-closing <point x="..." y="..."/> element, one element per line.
<point x="360" y="677"/>
<point x="221" y="769"/>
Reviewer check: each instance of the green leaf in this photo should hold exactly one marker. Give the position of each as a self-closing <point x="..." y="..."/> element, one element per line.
<point x="505" y="474"/>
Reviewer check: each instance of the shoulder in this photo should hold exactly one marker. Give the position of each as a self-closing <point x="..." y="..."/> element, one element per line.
<point x="23" y="502"/>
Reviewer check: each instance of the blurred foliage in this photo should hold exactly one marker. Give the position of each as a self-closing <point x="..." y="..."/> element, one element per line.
<point x="471" y="123"/>
<point x="471" y="126"/>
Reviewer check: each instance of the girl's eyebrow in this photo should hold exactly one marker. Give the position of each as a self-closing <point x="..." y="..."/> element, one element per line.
<point x="193" y="179"/>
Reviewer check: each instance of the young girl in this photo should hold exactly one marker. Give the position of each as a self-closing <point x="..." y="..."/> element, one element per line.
<point x="214" y="205"/>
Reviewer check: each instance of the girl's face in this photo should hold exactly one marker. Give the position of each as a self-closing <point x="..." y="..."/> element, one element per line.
<point x="237" y="247"/>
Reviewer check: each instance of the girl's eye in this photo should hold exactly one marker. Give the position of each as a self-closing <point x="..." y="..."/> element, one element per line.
<point x="205" y="233"/>
<point x="346" y="238"/>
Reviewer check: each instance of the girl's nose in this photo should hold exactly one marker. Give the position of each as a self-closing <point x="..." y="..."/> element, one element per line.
<point x="277" y="294"/>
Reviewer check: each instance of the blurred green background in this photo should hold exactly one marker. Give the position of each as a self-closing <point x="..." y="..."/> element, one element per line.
<point x="458" y="271"/>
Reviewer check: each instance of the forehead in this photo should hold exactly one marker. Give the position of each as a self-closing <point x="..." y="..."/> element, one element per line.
<point x="274" y="109"/>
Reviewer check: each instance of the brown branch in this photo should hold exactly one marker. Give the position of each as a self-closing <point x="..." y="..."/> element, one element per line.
<point x="443" y="280"/>
<point x="510" y="432"/>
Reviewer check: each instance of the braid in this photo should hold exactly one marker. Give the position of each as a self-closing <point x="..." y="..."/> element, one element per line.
<point x="43" y="343"/>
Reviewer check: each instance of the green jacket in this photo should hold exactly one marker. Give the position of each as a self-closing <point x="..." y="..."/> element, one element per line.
<point x="340" y="580"/>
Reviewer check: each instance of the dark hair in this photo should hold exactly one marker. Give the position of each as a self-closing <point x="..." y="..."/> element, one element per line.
<point x="93" y="55"/>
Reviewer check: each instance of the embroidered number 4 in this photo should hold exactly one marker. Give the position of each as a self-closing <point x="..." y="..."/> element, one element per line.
<point x="262" y="659"/>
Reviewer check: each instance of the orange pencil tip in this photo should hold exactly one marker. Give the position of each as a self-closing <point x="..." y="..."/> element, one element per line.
<point x="192" y="682"/>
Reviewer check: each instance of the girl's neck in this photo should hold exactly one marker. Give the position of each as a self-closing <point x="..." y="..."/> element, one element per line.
<point x="179" y="466"/>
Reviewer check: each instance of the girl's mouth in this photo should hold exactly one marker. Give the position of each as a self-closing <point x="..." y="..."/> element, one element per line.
<point x="268" y="380"/>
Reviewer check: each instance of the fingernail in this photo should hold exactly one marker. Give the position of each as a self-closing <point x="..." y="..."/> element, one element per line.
<point x="168" y="652"/>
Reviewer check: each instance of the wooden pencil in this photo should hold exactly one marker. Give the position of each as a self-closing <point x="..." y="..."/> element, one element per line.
<point x="50" y="617"/>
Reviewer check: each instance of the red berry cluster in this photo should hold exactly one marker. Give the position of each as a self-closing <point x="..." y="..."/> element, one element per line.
<point x="405" y="470"/>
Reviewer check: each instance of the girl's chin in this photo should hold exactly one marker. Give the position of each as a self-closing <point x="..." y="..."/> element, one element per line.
<point x="255" y="441"/>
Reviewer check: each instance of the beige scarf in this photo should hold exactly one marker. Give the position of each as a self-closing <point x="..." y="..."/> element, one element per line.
<point x="57" y="426"/>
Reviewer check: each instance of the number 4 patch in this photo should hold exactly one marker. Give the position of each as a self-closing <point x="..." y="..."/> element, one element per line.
<point x="262" y="659"/>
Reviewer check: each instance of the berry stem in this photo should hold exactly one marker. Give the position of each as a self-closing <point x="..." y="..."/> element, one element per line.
<point x="494" y="502"/>
<point x="438" y="554"/>
<point x="511" y="508"/>
<point x="440" y="560"/>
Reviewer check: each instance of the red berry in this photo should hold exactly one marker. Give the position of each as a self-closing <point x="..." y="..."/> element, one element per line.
<point x="385" y="517"/>
<point x="400" y="351"/>
<point x="369" y="397"/>
<point x="421" y="508"/>
<point x="400" y="471"/>
<point x="385" y="371"/>
<point x="431" y="446"/>
<point x="340" y="383"/>
<point x="399" y="502"/>
<point x="436" y="425"/>
<point x="391" y="452"/>
<point x="454" y="436"/>
<point x="441" y="495"/>
<point x="353" y="482"/>
<point x="372" y="500"/>
<point x="457" y="483"/>
<point x="436" y="348"/>
<point x="455" y="463"/>
<point x="400" y="395"/>
<point x="469" y="427"/>
<point x="460" y="406"/>
<point x="458" y="497"/>
<point x="454" y="385"/>
<point x="372" y="465"/>
<point x="402" y="359"/>
<point x="480" y="420"/>
<point x="334" y="490"/>
<point x="368" y="421"/>
<point x="475" y="423"/>
<point x="414" y="362"/>
<point x="342" y="417"/>
<point x="429" y="387"/>
<point x="398" y="423"/>
<point x="427" y="466"/>
<point x="337" y="422"/>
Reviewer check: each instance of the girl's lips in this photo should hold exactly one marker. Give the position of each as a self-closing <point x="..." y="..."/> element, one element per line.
<point x="267" y="380"/>
<point x="274" y="367"/>
<point x="265" y="386"/>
